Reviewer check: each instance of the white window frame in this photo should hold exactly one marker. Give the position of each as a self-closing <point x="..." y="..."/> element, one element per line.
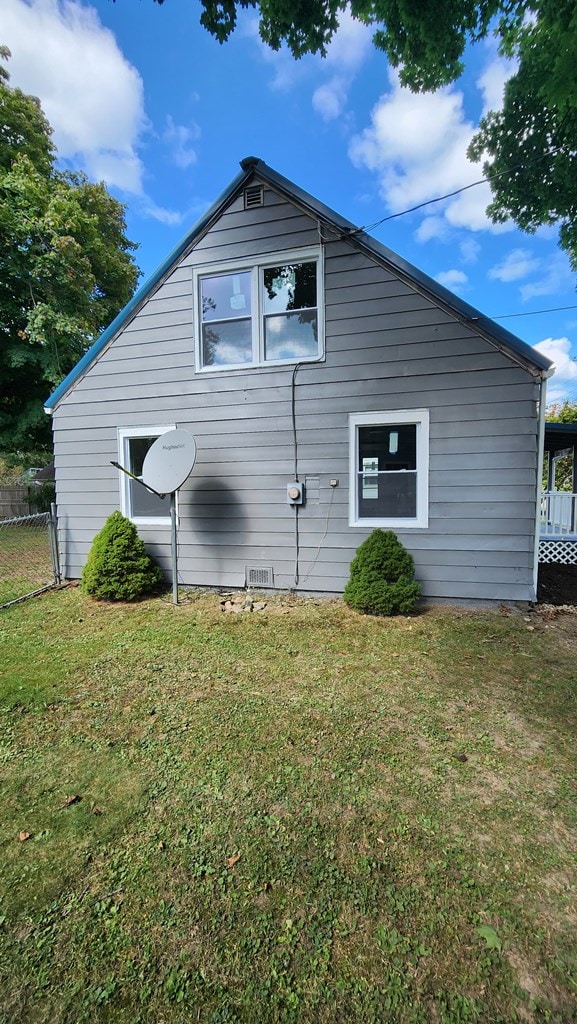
<point x="255" y="267"/>
<point x="420" y="417"/>
<point x="124" y="436"/>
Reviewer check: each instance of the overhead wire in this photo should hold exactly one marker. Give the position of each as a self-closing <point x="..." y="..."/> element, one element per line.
<point x="450" y="195"/>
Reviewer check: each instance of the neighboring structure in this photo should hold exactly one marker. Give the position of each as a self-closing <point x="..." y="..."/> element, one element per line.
<point x="295" y="348"/>
<point x="558" y="534"/>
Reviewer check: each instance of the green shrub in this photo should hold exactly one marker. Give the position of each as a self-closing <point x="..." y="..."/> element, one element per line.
<point x="119" y="567"/>
<point x="382" y="577"/>
<point x="41" y="496"/>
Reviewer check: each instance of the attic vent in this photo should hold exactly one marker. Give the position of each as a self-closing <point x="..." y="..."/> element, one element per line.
<point x="259" y="576"/>
<point x="253" y="196"/>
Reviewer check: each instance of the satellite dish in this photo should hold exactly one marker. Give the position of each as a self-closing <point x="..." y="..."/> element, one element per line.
<point x="169" y="461"/>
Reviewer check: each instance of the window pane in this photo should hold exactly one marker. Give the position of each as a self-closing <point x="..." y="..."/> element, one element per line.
<point x="387" y="495"/>
<point x="142" y="502"/>
<point x="292" y="336"/>
<point x="137" y="449"/>
<point x="226" y="296"/>
<point x="227" y="344"/>
<point x="393" y="445"/>
<point x="290" y="286"/>
<point x="387" y="483"/>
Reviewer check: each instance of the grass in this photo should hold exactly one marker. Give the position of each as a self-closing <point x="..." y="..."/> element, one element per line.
<point x="25" y="562"/>
<point x="299" y="814"/>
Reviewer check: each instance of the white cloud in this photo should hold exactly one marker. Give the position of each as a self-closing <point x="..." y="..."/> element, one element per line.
<point x="558" y="350"/>
<point x="492" y="82"/>
<point x="345" y="55"/>
<point x="329" y="100"/>
<point x="470" y="250"/>
<point x="91" y="94"/>
<point x="287" y="70"/>
<point x="417" y="145"/>
<point x="169" y="217"/>
<point x="518" y="263"/>
<point x="179" y="138"/>
<point x="432" y="227"/>
<point x="350" y="45"/>
<point x="455" y="280"/>
<point x="558" y="278"/>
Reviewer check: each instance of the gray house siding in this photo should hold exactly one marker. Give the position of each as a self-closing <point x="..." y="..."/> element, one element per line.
<point x="388" y="347"/>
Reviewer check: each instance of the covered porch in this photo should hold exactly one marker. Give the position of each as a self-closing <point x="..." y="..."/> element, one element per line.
<point x="558" y="523"/>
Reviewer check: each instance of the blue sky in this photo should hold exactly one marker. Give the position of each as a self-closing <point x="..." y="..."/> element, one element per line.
<point x="142" y="97"/>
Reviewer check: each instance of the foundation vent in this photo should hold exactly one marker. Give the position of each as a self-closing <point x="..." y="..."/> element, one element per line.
<point x="259" y="576"/>
<point x="253" y="196"/>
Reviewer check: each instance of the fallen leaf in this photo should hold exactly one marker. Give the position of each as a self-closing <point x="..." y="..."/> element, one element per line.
<point x="231" y="861"/>
<point x="72" y="800"/>
<point x="23" y="836"/>
<point x="489" y="935"/>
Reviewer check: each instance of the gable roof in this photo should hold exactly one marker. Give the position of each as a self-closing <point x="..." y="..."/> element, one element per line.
<point x="253" y="167"/>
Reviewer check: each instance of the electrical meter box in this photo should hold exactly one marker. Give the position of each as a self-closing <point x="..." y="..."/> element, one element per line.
<point x="295" y="493"/>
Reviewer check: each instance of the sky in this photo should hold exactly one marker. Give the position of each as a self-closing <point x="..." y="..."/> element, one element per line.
<point x="142" y="97"/>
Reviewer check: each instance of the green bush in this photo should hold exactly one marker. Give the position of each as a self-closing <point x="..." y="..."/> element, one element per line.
<point x="41" y="496"/>
<point x="119" y="567"/>
<point x="382" y="577"/>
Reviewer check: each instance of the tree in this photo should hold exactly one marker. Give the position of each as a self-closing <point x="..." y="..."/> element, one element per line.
<point x="562" y="412"/>
<point x="66" y="270"/>
<point x="528" y="147"/>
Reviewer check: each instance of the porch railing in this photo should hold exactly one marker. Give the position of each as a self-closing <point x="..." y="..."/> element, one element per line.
<point x="558" y="513"/>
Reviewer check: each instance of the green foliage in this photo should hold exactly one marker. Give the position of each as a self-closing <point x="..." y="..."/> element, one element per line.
<point x="529" y="144"/>
<point x="382" y="577"/>
<point x="42" y="496"/>
<point x="66" y="270"/>
<point x="118" y="567"/>
<point x="562" y="412"/>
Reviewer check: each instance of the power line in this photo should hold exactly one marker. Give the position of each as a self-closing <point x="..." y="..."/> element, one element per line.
<point x="449" y="195"/>
<point x="532" y="312"/>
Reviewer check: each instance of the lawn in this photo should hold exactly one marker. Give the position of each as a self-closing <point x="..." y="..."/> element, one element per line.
<point x="25" y="561"/>
<point x="298" y="814"/>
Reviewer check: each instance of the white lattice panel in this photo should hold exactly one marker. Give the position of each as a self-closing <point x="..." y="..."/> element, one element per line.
<point x="564" y="552"/>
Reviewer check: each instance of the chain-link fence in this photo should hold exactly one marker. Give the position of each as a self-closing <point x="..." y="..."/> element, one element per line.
<point x="28" y="556"/>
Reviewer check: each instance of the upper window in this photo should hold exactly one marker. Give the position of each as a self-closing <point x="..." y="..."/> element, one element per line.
<point x="389" y="460"/>
<point x="269" y="312"/>
<point x="137" y="503"/>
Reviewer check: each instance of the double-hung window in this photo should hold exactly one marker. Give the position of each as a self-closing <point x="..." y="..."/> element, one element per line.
<point x="389" y="469"/>
<point x="136" y="502"/>
<point x="266" y="312"/>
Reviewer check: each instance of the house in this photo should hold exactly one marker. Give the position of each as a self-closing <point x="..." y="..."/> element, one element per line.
<point x="297" y="349"/>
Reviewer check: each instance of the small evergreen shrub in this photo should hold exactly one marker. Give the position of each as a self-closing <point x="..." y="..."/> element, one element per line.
<point x="382" y="577"/>
<point x="118" y="567"/>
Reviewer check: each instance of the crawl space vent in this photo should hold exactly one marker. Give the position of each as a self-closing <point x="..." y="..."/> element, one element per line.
<point x="253" y="196"/>
<point x="259" y="576"/>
